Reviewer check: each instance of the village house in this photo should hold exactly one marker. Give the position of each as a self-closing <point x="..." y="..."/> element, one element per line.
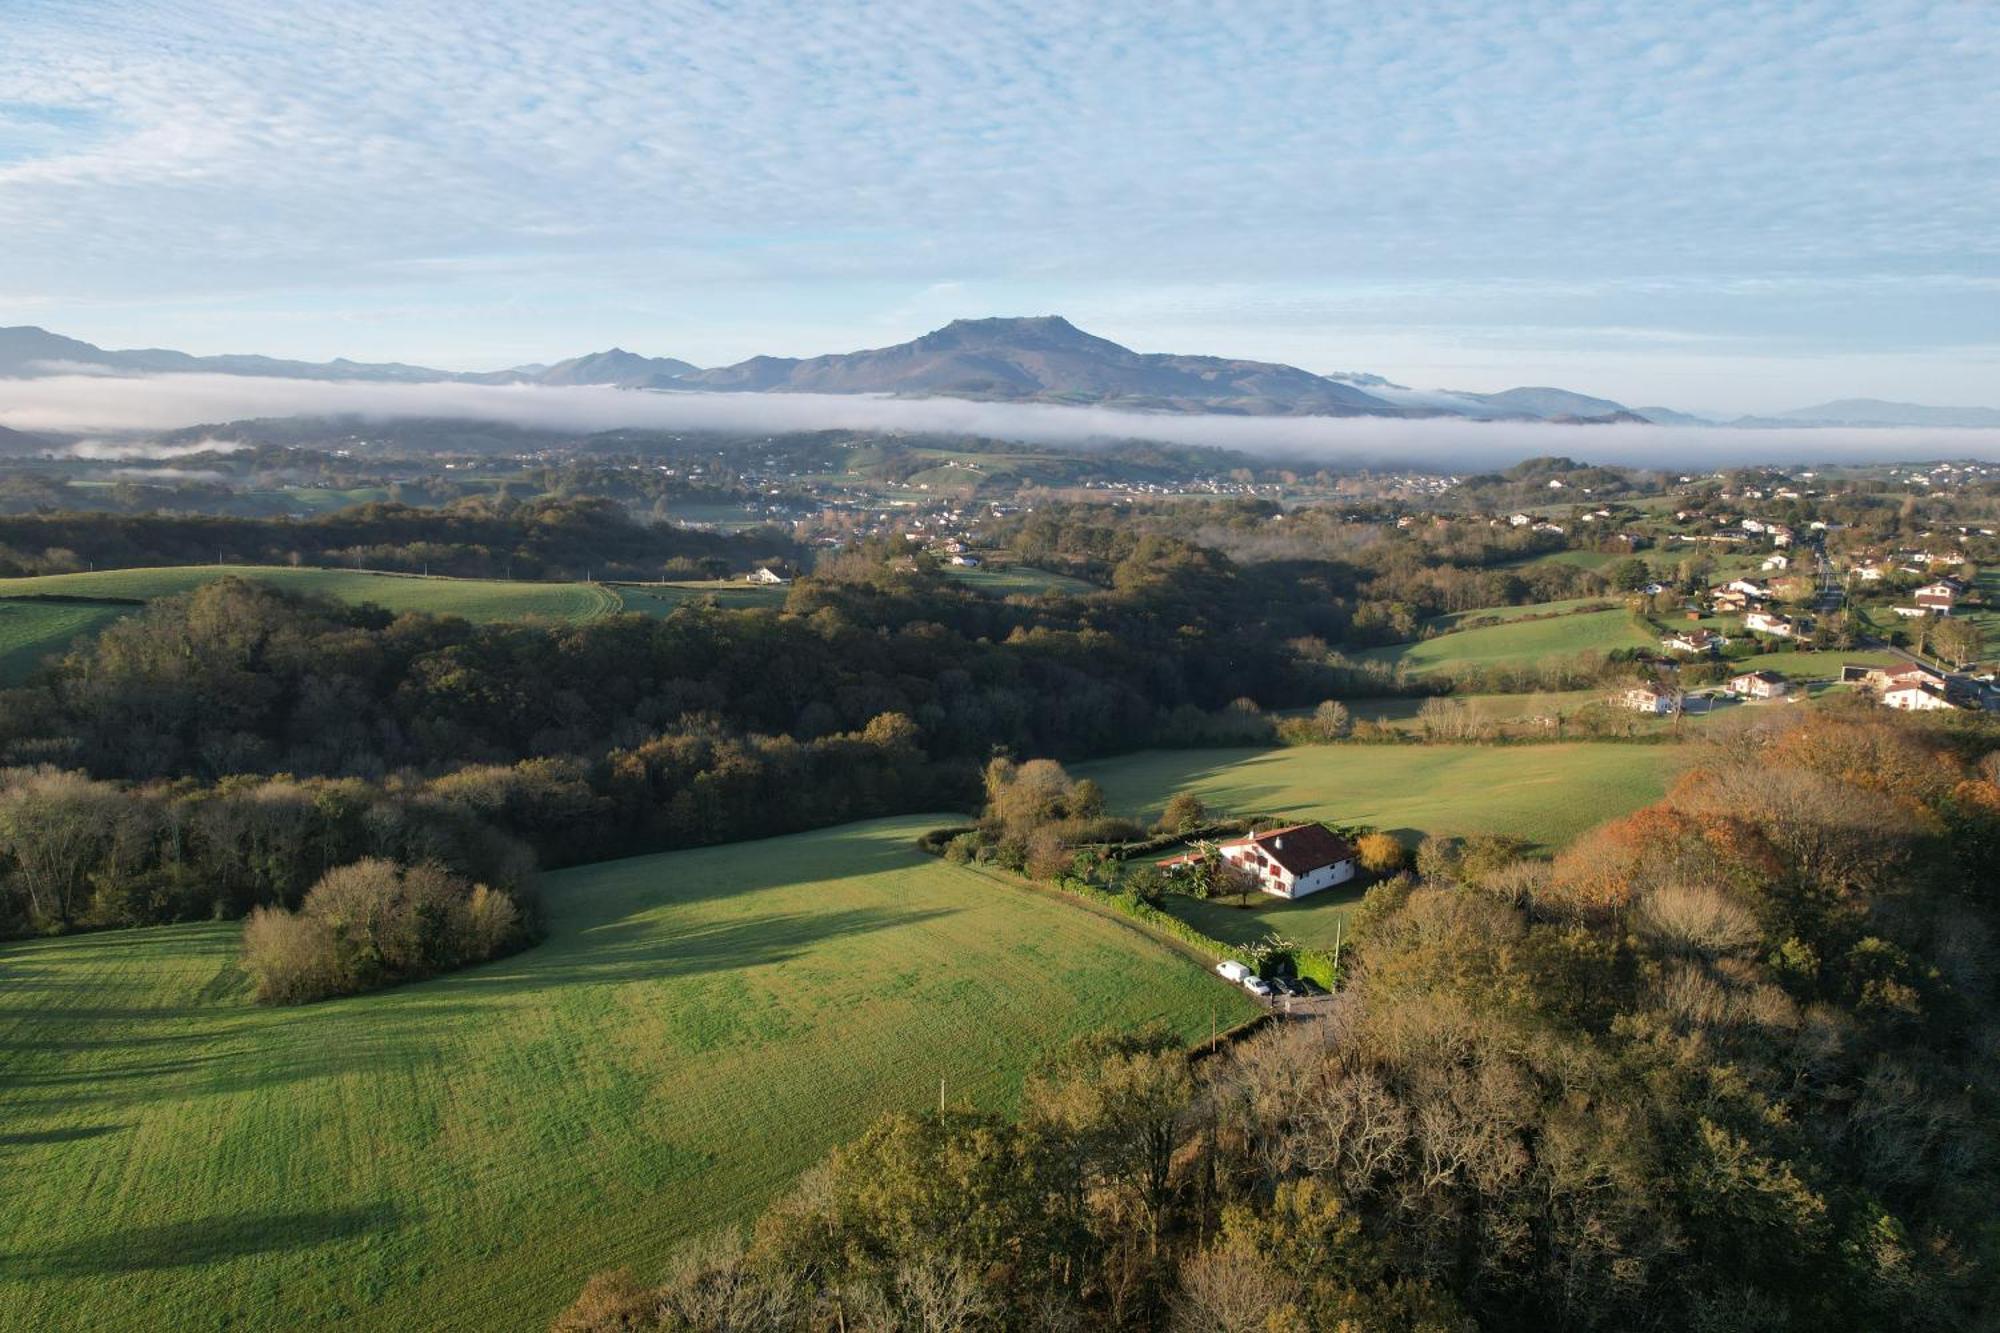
<point x="1939" y="596"/>
<point x="1912" y="688"/>
<point x="1288" y="862"/>
<point x="1749" y="588"/>
<point x="1693" y="641"/>
<point x="1519" y="520"/>
<point x="1727" y="600"/>
<point x="770" y="574"/>
<point x="1769" y="622"/>
<point x="1777" y="562"/>
<point x="1916" y="698"/>
<point x="1879" y="678"/>
<point x="1647" y="699"/>
<point x="1760" y="685"/>
<point x="966" y="561"/>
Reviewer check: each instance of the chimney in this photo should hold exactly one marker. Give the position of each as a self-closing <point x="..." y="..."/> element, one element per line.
<point x="1278" y="843"/>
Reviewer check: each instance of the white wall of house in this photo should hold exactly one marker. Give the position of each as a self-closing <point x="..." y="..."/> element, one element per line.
<point x="1274" y="879"/>
<point x="1913" y="700"/>
<point x="1323" y="878"/>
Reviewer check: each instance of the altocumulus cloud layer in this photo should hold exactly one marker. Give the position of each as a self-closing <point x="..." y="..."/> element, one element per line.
<point x="167" y="402"/>
<point x="491" y="181"/>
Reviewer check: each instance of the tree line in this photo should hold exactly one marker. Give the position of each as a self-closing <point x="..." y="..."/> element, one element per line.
<point x="551" y="537"/>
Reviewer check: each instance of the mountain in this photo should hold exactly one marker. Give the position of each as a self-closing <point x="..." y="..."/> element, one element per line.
<point x="626" y="370"/>
<point x="1040" y="359"/>
<point x="1667" y="416"/>
<point x="1048" y="359"/>
<point x="26" y="352"/>
<point x="1548" y="403"/>
<point x="1875" y="412"/>
<point x="20" y="442"/>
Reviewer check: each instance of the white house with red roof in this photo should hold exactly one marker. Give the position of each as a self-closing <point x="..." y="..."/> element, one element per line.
<point x="1288" y="862"/>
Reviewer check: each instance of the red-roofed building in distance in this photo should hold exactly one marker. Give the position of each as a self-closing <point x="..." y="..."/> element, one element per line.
<point x="1288" y="862"/>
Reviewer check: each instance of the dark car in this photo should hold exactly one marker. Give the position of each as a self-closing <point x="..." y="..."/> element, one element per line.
<point x="1287" y="987"/>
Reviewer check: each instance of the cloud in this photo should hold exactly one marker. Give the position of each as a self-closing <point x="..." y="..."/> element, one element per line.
<point x="167" y="402"/>
<point x="626" y="161"/>
<point x="109" y="451"/>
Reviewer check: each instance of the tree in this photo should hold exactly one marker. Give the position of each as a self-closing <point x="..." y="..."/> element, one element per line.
<point x="57" y="828"/>
<point x="1957" y="641"/>
<point x="1330" y="721"/>
<point x="1184" y="811"/>
<point x="1121" y="1100"/>
<point x="1380" y="853"/>
<point x="1628" y="575"/>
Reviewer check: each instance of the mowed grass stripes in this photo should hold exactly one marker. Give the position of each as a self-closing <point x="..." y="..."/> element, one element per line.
<point x="698" y="1027"/>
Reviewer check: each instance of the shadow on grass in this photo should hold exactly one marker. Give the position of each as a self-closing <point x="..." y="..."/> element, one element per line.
<point x="636" y="950"/>
<point x="192" y="1244"/>
<point x="32" y="1138"/>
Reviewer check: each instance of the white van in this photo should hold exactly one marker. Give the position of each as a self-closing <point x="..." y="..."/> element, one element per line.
<point x="1233" y="970"/>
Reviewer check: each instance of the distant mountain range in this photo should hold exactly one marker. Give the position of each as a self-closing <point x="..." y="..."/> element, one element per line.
<point x="1043" y="359"/>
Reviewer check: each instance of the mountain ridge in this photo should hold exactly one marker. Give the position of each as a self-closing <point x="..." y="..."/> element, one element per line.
<point x="1028" y="359"/>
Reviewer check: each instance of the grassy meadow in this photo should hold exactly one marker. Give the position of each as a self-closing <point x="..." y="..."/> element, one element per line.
<point x="657" y="599"/>
<point x="1545" y="793"/>
<point x="697" y="1028"/>
<point x="30" y="631"/>
<point x="475" y="599"/>
<point x="1024" y="580"/>
<point x="1517" y="640"/>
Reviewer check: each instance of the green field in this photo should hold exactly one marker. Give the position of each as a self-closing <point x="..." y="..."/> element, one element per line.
<point x="1592" y="560"/>
<point x="657" y="599"/>
<point x="1401" y="711"/>
<point x="1459" y="619"/>
<point x="475" y="599"/>
<point x="1812" y="666"/>
<point x="462" y="1153"/>
<point x="1545" y="793"/>
<point x="1517" y="641"/>
<point x="1023" y="580"/>
<point x="30" y="631"/>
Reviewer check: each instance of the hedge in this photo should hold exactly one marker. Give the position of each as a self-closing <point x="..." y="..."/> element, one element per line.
<point x="1313" y="964"/>
<point x="1132" y="905"/>
<point x="933" y="842"/>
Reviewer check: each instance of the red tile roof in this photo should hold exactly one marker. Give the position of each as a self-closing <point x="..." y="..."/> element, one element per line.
<point x="1300" y="848"/>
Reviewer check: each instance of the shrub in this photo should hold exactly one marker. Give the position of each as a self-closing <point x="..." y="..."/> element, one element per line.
<point x="1380" y="853"/>
<point x="374" y="923"/>
<point x="1183" y="812"/>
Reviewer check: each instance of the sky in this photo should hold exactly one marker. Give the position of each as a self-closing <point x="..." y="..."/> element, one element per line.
<point x="1723" y="207"/>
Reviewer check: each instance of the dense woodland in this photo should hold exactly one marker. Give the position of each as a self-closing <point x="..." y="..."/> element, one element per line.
<point x="1727" y="1063"/>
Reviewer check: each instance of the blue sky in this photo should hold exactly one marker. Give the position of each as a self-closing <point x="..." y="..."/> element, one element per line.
<point x="1736" y="206"/>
